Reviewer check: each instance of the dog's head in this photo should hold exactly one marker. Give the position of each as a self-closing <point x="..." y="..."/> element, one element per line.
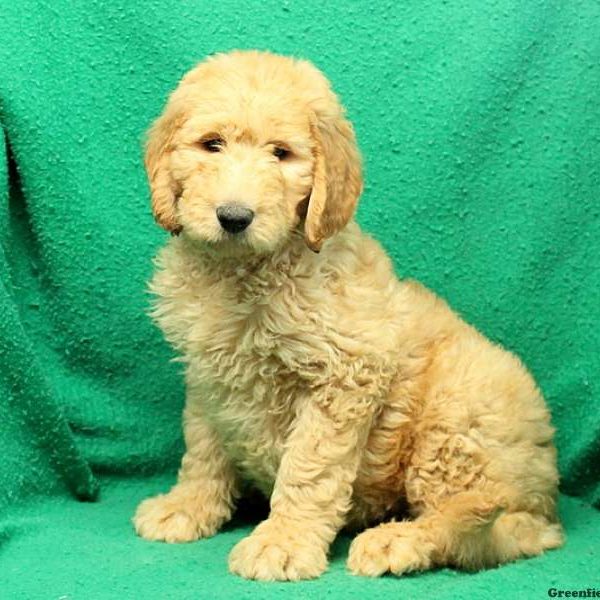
<point x="250" y="147"/>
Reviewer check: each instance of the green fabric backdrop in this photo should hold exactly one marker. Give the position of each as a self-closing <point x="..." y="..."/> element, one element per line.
<point x="480" y="127"/>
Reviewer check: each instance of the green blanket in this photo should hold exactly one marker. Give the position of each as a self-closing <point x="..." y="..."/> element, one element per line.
<point x="480" y="127"/>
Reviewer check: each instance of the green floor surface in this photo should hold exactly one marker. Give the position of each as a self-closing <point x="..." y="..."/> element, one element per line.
<point x="65" y="550"/>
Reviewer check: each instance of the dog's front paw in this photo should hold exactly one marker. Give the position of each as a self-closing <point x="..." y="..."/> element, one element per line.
<point x="170" y="518"/>
<point x="276" y="554"/>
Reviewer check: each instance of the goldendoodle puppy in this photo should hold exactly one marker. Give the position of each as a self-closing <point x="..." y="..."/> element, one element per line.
<point x="313" y="374"/>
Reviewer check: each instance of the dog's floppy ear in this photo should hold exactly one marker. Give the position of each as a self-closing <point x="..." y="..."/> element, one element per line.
<point x="163" y="189"/>
<point x="337" y="178"/>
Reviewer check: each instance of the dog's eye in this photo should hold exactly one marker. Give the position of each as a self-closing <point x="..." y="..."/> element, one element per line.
<point x="280" y="152"/>
<point x="212" y="144"/>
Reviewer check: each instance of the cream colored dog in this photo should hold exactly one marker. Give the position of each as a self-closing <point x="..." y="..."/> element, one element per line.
<point x="312" y="372"/>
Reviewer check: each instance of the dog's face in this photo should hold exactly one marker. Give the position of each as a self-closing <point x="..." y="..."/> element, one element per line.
<point x="251" y="147"/>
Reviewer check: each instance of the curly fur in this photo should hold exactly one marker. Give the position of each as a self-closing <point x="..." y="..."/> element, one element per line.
<point x="346" y="395"/>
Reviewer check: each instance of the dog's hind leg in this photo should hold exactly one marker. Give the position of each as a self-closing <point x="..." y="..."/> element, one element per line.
<point x="469" y="530"/>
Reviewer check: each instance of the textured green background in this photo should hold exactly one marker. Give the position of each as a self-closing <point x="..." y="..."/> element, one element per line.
<point x="480" y="127"/>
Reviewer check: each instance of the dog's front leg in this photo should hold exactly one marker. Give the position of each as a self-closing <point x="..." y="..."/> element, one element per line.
<point x="312" y="493"/>
<point x="202" y="499"/>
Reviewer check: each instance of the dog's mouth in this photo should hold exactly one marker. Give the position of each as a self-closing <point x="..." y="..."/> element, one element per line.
<point x="241" y="239"/>
<point x="226" y="243"/>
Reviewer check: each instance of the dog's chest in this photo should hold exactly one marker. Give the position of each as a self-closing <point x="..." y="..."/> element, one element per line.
<point x="253" y="362"/>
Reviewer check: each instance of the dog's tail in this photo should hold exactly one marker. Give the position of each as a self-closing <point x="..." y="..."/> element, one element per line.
<point x="477" y="530"/>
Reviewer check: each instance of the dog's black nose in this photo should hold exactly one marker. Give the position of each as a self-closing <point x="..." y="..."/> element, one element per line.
<point x="234" y="218"/>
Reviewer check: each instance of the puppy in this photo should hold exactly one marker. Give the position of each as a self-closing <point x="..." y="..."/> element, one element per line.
<point x="313" y="374"/>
